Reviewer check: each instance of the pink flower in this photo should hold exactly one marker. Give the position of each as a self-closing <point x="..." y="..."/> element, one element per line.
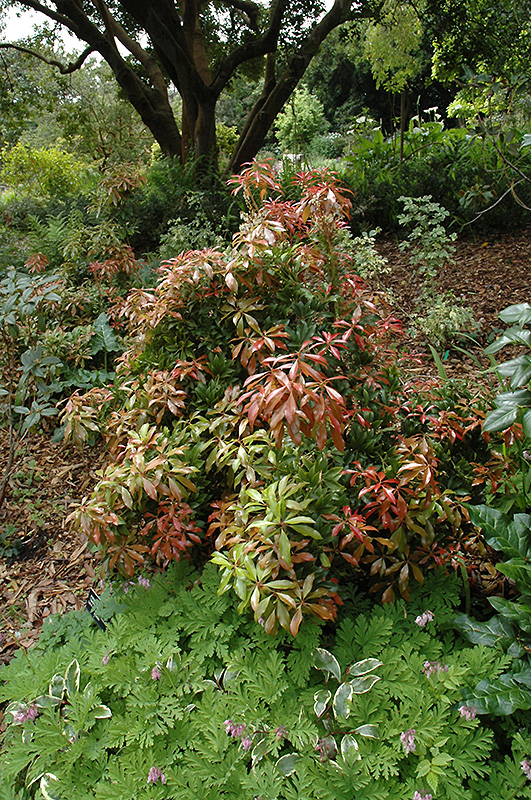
<point x="423" y="619"/>
<point x="106" y="658"/>
<point x="156" y="674"/>
<point x="280" y="732"/>
<point x="422" y="796"/>
<point x="145" y="582"/>
<point x="468" y="712"/>
<point x="247" y="743"/>
<point x="30" y="714"/>
<point x="433" y="666"/>
<point x="408" y="740"/>
<point x="526" y="768"/>
<point x="155" y="774"/>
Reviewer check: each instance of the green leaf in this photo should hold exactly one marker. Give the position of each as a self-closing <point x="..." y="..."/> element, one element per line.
<point x="104" y="336"/>
<point x="518" y="369"/>
<point x="364" y="684"/>
<point x="442" y="759"/>
<point x="500" y="419"/>
<point x="102" y="712"/>
<point x="342" y="700"/>
<point x="349" y="744"/>
<point x="500" y="697"/>
<point x="47" y="701"/>
<point x="284" y="548"/>
<point x="515" y="335"/>
<point x="326" y="662"/>
<point x="362" y="667"/>
<point x="72" y="677"/>
<point x="321" y="699"/>
<point x="370" y="731"/>
<point x="497" y="631"/>
<point x="57" y="686"/>
<point x="518" y="570"/>
<point x="516" y="611"/>
<point x="45" y="783"/>
<point x="287" y="764"/>
<point x="511" y="536"/>
<point x="520" y="313"/>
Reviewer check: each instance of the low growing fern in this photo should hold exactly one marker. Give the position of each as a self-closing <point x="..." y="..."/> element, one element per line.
<point x="181" y="697"/>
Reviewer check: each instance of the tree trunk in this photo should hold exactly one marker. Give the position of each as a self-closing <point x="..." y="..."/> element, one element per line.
<point x="199" y="135"/>
<point x="276" y="93"/>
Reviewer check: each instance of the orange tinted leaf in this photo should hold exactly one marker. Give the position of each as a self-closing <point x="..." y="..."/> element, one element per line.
<point x="295" y="622"/>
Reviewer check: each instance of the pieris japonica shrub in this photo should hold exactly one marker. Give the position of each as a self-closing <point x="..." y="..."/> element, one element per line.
<point x="257" y="416"/>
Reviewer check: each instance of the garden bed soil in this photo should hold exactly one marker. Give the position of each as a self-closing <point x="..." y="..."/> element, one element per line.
<point x="52" y="568"/>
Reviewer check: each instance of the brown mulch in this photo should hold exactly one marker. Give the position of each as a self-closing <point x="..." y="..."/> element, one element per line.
<point x="490" y="273"/>
<point x="45" y="568"/>
<point x="53" y="569"/>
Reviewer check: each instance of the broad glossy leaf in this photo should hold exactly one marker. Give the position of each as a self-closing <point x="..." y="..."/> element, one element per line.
<point x="47" y="701"/>
<point x="523" y="677"/>
<point x="519" y="571"/>
<point x="46" y="784"/>
<point x="511" y="536"/>
<point x="517" y="369"/>
<point x="349" y="745"/>
<point x="519" y="612"/>
<point x="229" y="676"/>
<point x="370" y="731"/>
<point x="72" y="677"/>
<point x="500" y="418"/>
<point x="57" y="686"/>
<point x="342" y="700"/>
<point x="520" y="313"/>
<point x="102" y="712"/>
<point x="364" y="666"/>
<point x="500" y="697"/>
<point x="260" y="748"/>
<point x="326" y="662"/>
<point x="288" y="763"/>
<point x="497" y="631"/>
<point x="321" y="699"/>
<point x="105" y="338"/>
<point x="284" y="548"/>
<point x="514" y="335"/>
<point x="364" y="684"/>
<point x="519" y="397"/>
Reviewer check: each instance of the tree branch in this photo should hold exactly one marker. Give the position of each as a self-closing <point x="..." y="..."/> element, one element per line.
<point x="55" y="15"/>
<point x="267" y="43"/>
<point x="273" y="98"/>
<point x="63" y="69"/>
<point x="165" y="28"/>
<point x="250" y="9"/>
<point x="116" y="30"/>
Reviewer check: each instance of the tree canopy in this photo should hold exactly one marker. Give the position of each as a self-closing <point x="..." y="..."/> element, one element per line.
<point x="198" y="47"/>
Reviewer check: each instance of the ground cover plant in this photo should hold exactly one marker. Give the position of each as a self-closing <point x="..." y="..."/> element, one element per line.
<point x="182" y="696"/>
